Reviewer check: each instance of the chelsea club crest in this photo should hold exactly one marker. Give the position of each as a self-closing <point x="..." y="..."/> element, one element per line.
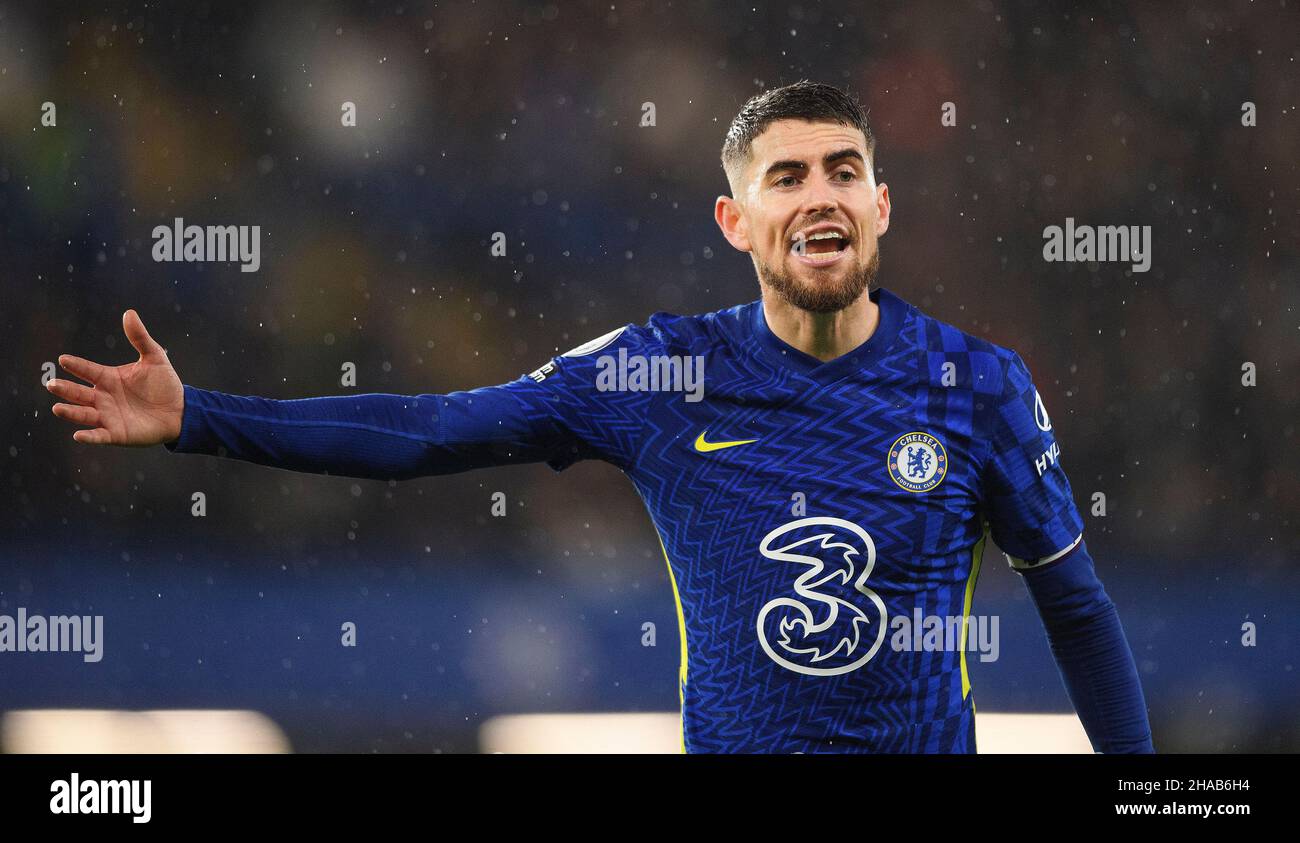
<point x="917" y="462"/>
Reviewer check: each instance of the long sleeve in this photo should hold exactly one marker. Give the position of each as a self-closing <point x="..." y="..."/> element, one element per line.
<point x="375" y="435"/>
<point x="1034" y="521"/>
<point x="555" y="415"/>
<point x="1094" y="658"/>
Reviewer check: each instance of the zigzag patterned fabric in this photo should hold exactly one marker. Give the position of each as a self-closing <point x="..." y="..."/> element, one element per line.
<point x="814" y="515"/>
<point x="846" y="495"/>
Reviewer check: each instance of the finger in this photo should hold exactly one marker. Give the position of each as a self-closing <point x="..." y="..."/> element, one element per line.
<point x="81" y="415"/>
<point x="71" y="391"/>
<point x="98" y="436"/>
<point x="81" y="367"/>
<point x="139" y="337"/>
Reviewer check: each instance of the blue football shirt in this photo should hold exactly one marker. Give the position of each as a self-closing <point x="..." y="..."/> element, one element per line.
<point x="806" y="509"/>
<point x="845" y="494"/>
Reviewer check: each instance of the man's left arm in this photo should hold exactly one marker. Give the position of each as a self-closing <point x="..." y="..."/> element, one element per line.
<point x="1091" y="651"/>
<point x="1034" y="521"/>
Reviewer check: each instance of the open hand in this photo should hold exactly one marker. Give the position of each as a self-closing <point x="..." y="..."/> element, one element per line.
<point x="137" y="404"/>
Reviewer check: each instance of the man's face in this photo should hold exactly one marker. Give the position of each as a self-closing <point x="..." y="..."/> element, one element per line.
<point x="808" y="210"/>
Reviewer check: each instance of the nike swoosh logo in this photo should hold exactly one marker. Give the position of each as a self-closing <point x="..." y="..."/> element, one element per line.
<point x="705" y="447"/>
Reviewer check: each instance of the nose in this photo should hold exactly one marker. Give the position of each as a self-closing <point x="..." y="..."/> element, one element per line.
<point x="819" y="198"/>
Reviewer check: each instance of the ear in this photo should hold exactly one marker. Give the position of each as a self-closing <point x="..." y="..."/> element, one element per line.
<point x="727" y="213"/>
<point x="882" y="209"/>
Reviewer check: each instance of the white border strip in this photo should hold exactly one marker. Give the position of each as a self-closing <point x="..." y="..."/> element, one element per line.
<point x="1022" y="565"/>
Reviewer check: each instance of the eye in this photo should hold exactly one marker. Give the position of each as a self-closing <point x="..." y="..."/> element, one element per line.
<point x="781" y="182"/>
<point x="851" y="175"/>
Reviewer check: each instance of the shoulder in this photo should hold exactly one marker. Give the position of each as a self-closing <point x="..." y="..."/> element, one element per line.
<point x="975" y="363"/>
<point x="665" y="333"/>
<point x="698" y="333"/>
<point x="662" y="334"/>
<point x="1004" y="398"/>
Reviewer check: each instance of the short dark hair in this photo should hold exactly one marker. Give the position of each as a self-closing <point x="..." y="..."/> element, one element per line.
<point x="802" y="100"/>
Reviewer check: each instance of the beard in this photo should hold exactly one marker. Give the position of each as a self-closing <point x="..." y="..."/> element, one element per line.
<point x="828" y="297"/>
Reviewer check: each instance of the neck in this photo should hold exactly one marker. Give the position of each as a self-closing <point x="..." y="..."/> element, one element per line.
<point x="822" y="335"/>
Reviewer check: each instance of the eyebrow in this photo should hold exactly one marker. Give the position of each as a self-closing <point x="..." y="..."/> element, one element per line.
<point x="829" y="159"/>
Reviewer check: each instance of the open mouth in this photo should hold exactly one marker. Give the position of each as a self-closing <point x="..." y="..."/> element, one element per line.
<point x="821" y="248"/>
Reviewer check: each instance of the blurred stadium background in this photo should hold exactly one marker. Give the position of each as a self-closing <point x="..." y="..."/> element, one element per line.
<point x="523" y="118"/>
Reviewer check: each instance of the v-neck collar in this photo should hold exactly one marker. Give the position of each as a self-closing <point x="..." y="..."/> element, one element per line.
<point x="892" y="312"/>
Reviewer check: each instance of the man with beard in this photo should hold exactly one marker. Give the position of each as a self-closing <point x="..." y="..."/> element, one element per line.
<point x="845" y="469"/>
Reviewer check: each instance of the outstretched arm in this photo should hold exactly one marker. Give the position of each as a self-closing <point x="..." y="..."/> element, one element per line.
<point x="378" y="436"/>
<point x="548" y="416"/>
<point x="1094" y="658"/>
